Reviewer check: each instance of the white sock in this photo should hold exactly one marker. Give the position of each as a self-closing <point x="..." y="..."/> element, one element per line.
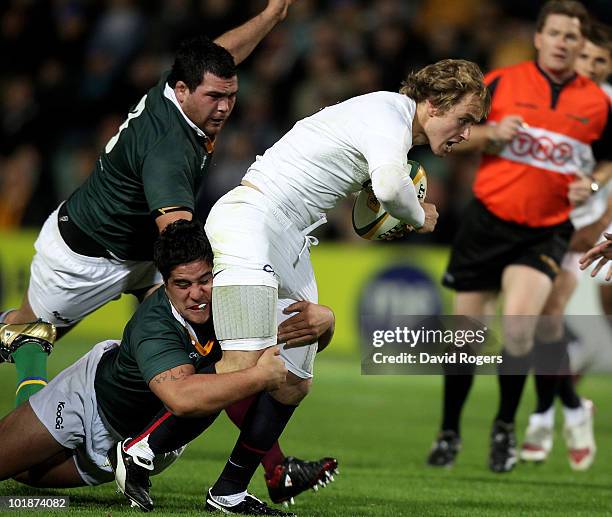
<point x="141" y="449"/>
<point x="229" y="500"/>
<point x="546" y="419"/>
<point x="574" y="416"/>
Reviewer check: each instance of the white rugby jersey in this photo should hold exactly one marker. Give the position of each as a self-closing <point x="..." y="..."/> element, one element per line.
<point x="594" y="207"/>
<point x="330" y="154"/>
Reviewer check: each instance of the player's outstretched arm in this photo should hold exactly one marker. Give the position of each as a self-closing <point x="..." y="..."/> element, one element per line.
<point x="601" y="252"/>
<point x="241" y="41"/>
<point x="312" y="322"/>
<point x="189" y="394"/>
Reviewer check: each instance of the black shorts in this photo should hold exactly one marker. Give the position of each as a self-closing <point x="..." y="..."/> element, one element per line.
<point x="485" y="245"/>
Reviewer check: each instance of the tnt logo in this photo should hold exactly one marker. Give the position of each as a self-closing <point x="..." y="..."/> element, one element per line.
<point x="59" y="420"/>
<point x="542" y="148"/>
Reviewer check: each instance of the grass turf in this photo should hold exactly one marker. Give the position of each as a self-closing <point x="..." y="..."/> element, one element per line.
<point x="380" y="428"/>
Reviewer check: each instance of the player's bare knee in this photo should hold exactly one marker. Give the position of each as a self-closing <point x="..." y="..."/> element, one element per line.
<point x="234" y="360"/>
<point x="555" y="304"/>
<point x="550" y="328"/>
<point x="518" y="339"/>
<point x="519" y="334"/>
<point x="293" y="391"/>
<point x="22" y="315"/>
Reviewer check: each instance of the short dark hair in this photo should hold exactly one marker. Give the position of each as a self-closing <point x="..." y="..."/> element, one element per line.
<point x="600" y="36"/>
<point x="571" y="8"/>
<point x="199" y="55"/>
<point x="181" y="242"/>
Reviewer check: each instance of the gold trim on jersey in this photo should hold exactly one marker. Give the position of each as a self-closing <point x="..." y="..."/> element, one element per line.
<point x="203" y="350"/>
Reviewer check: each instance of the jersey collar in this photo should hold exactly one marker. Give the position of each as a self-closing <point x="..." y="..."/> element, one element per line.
<point x="178" y="317"/>
<point x="549" y="79"/>
<point x="171" y="96"/>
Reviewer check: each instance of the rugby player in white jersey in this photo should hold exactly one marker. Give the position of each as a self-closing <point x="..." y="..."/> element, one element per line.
<point x="595" y="61"/>
<point x="590" y="219"/>
<point x="260" y="231"/>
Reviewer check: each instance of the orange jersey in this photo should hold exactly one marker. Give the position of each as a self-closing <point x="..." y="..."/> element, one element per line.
<point x="568" y="128"/>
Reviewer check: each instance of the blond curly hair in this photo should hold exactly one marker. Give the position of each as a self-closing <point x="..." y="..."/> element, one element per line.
<point x="446" y="83"/>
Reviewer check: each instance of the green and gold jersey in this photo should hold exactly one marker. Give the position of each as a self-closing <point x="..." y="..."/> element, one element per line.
<point x="156" y="160"/>
<point x="154" y="340"/>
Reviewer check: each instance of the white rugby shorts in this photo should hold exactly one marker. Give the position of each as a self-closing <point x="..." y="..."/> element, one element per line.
<point x="68" y="408"/>
<point x="256" y="243"/>
<point x="65" y="286"/>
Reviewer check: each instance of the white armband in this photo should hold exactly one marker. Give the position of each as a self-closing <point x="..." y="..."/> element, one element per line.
<point x="394" y="190"/>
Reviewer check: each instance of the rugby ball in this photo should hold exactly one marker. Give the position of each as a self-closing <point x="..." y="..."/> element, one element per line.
<point x="370" y="221"/>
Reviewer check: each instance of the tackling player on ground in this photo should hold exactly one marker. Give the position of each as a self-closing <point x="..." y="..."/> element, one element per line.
<point x="60" y="437"/>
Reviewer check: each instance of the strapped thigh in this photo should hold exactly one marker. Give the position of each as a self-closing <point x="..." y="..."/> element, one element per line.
<point x="245" y="316"/>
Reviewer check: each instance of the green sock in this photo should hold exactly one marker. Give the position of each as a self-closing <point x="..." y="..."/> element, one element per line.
<point x="31" y="365"/>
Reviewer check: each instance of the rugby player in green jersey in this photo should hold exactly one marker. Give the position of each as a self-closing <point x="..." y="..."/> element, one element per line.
<point x="164" y="368"/>
<point x="98" y="244"/>
<point x="61" y="435"/>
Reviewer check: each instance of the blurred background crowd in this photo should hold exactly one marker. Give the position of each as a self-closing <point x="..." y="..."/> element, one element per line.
<point x="73" y="68"/>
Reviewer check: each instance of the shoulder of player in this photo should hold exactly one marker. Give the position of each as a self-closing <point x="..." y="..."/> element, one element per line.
<point x="386" y="98"/>
<point x="510" y="70"/>
<point x="591" y="89"/>
<point x="607" y="89"/>
<point x="165" y="125"/>
<point x="154" y="315"/>
<point x="592" y="99"/>
<point x="383" y="104"/>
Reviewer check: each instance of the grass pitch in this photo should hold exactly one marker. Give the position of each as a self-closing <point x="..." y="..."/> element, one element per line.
<point x="380" y="429"/>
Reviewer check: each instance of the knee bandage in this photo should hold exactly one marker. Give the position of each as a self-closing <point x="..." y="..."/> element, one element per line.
<point x="244" y="311"/>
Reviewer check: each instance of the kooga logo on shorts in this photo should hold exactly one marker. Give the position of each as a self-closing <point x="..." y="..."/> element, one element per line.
<point x="59" y="420"/>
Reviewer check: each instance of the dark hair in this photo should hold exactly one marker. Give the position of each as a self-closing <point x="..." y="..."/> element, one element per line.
<point x="445" y="84"/>
<point x="570" y="8"/>
<point x="601" y="36"/>
<point x="199" y="55"/>
<point x="181" y="242"/>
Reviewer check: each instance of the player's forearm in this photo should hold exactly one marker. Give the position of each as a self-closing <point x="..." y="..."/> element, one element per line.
<point x="326" y="338"/>
<point x="481" y="140"/>
<point x="606" y="218"/>
<point x="603" y="173"/>
<point x="205" y="394"/>
<point x="241" y="41"/>
<point x="395" y="192"/>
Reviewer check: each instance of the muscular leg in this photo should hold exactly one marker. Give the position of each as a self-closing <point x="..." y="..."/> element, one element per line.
<point x="25" y="314"/>
<point x="551" y="349"/>
<point x="605" y="296"/>
<point x="58" y="471"/>
<point x="262" y="426"/>
<point x="525" y="291"/>
<point x="30" y="358"/>
<point x="457" y="384"/>
<point x="275" y="456"/>
<point x="26" y="442"/>
<point x="458" y="380"/>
